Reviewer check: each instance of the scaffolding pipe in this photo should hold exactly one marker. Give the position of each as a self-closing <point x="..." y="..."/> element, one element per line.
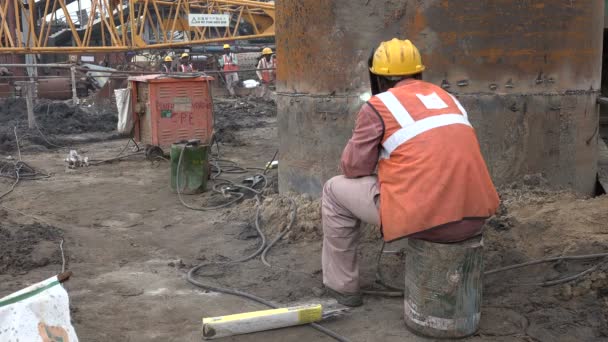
<point x="74" y="92"/>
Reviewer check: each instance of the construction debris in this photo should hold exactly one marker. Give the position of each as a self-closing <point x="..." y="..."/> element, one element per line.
<point x="52" y="118"/>
<point x="74" y="160"/>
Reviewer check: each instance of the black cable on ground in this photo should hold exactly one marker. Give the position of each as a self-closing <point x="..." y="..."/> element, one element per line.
<point x="12" y="187"/>
<point x="287" y="229"/>
<point x="553" y="259"/>
<point x="380" y="277"/>
<point x="269" y="165"/>
<point x="545" y="260"/>
<point x="381" y="280"/>
<point x="263" y="249"/>
<point x="48" y="108"/>
<point x="18" y="170"/>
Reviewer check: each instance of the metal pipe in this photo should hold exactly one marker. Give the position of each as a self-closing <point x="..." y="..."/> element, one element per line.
<point x="74" y="92"/>
<point x="126" y="72"/>
<point x="27" y="65"/>
<point x="602" y="100"/>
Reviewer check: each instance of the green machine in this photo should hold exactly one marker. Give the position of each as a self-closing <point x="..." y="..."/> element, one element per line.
<point x="189" y="166"/>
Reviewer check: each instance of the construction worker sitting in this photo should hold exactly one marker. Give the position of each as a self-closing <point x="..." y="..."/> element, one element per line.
<point x="167" y="65"/>
<point x="432" y="182"/>
<point x="230" y="65"/>
<point x="266" y="72"/>
<point x="185" y="65"/>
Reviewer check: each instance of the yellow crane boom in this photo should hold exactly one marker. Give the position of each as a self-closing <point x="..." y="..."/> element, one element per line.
<point x="120" y="25"/>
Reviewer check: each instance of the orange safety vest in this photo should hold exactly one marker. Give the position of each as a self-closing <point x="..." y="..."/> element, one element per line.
<point x="431" y="171"/>
<point x="186" y="67"/>
<point x="267" y="75"/>
<point x="229" y="64"/>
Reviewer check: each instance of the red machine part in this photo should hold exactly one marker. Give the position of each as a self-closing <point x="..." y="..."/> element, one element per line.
<point x="167" y="110"/>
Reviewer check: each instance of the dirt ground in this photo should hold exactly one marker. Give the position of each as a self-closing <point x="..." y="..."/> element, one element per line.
<point x="130" y="243"/>
<point x="52" y="117"/>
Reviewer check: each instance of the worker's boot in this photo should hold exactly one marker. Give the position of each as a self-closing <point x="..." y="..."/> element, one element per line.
<point x="351" y="299"/>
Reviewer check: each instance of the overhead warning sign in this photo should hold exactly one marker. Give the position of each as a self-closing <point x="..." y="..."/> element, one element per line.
<point x="209" y="20"/>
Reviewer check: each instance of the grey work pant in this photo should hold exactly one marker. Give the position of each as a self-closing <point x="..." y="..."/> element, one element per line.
<point x="232" y="79"/>
<point x="346" y="202"/>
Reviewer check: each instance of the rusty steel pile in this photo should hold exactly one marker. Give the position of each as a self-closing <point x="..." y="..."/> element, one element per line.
<point x="527" y="72"/>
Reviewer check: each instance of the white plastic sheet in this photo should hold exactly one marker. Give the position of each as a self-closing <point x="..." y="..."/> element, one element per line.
<point x="123" y="104"/>
<point x="38" y="313"/>
<point x="250" y="83"/>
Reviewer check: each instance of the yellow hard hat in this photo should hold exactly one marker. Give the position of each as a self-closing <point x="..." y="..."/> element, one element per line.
<point x="226" y="46"/>
<point x="168" y="59"/>
<point x="185" y="55"/>
<point x="267" y="51"/>
<point x="396" y="58"/>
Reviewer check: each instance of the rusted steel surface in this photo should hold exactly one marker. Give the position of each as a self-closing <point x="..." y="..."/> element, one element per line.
<point x="527" y="71"/>
<point x="55" y="88"/>
<point x="518" y="46"/>
<point x="323" y="47"/>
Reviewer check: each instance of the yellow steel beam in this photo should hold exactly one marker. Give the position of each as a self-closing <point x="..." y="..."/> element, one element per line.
<point x="46" y="11"/>
<point x="4" y="14"/>
<point x="68" y="18"/>
<point x="127" y="33"/>
<point x="83" y="49"/>
<point x="18" y="30"/>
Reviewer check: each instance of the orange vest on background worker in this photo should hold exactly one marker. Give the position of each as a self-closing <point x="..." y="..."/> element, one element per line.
<point x="431" y="171"/>
<point x="268" y="76"/>
<point x="228" y="62"/>
<point x="186" y="67"/>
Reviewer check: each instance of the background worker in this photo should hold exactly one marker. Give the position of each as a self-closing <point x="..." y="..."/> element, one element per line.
<point x="432" y="182"/>
<point x="264" y="73"/>
<point x="185" y="65"/>
<point x="167" y="65"/>
<point x="229" y="63"/>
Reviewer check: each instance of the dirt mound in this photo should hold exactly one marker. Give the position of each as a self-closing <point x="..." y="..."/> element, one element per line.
<point x="276" y="214"/>
<point x="52" y="117"/>
<point x="26" y="247"/>
<point x="233" y="115"/>
<point x="277" y="211"/>
<point x="545" y="226"/>
<point x="531" y="189"/>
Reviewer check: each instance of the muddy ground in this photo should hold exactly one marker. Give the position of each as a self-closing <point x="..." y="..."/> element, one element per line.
<point x="52" y="118"/>
<point x="130" y="243"/>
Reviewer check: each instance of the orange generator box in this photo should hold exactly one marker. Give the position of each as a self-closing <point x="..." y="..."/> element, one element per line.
<point x="167" y="110"/>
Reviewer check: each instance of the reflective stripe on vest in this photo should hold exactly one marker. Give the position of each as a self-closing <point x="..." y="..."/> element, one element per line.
<point x="391" y="102"/>
<point x="410" y="128"/>
<point x="460" y="107"/>
<point x="229" y="63"/>
<point x="267" y="75"/>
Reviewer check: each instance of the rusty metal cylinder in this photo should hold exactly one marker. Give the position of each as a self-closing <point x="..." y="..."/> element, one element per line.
<point x="528" y="72"/>
<point x="55" y="88"/>
<point x="443" y="287"/>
